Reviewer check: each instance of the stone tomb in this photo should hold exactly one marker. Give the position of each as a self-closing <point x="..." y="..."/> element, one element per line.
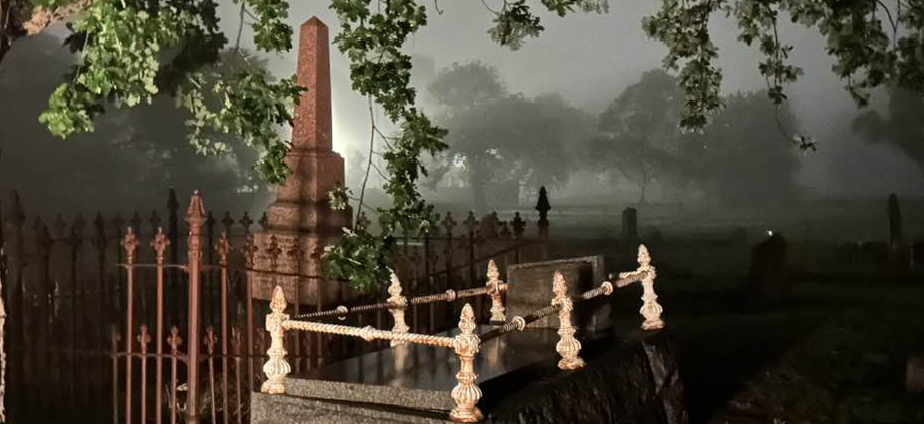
<point x="631" y="381"/>
<point x="529" y="290"/>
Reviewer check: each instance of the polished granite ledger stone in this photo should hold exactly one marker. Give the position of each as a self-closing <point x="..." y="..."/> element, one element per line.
<point x="630" y="380"/>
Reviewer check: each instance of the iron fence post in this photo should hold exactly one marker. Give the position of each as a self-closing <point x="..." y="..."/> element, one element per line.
<point x="195" y="216"/>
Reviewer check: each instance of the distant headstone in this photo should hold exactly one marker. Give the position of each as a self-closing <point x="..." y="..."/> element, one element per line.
<point x="768" y="279"/>
<point x="917" y="254"/>
<point x="895" y="220"/>
<point x="897" y="253"/>
<point x="629" y="226"/>
<point x="530" y="289"/>
<point x="914" y="379"/>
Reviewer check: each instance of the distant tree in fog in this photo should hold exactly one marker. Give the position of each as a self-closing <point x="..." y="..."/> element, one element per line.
<point x="743" y="158"/>
<point x="466" y="85"/>
<point x="900" y="127"/>
<point x="638" y="136"/>
<point x="504" y="141"/>
<point x="740" y="159"/>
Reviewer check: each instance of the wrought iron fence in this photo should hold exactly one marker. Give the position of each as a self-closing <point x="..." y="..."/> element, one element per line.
<point x="113" y="326"/>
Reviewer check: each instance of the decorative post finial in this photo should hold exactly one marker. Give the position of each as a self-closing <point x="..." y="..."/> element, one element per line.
<point x="250" y="248"/>
<point x="129" y="242"/>
<point x="650" y="310"/>
<point x="276" y="368"/>
<point x="160" y="243"/>
<point x="466" y="393"/>
<point x="398" y="304"/>
<point x="568" y="346"/>
<point x="224" y="248"/>
<point x="644" y="258"/>
<point x="495" y="287"/>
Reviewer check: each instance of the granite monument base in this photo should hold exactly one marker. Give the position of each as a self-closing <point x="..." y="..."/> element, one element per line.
<point x="634" y="380"/>
<point x="531" y="289"/>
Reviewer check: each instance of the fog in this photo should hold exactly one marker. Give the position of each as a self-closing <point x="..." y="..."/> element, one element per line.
<point x="587" y="60"/>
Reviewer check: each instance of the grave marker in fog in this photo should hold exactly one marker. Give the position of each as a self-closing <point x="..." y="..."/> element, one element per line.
<point x="629" y="226"/>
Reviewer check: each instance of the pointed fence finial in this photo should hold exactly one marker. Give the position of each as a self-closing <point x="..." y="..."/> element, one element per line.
<point x="644" y="259"/>
<point x="15" y="214"/>
<point x="651" y="310"/>
<point x="129" y="243"/>
<point x="494" y="289"/>
<point x="99" y="240"/>
<point x="276" y="368"/>
<point x="195" y="211"/>
<point x="223" y="248"/>
<point x="195" y="217"/>
<point x="568" y="346"/>
<point x="160" y="243"/>
<point x="172" y="203"/>
<point x="398" y="305"/>
<point x="466" y="393"/>
<point x="250" y="249"/>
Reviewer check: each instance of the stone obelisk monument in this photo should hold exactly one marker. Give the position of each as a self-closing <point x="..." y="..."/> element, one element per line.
<point x="301" y="220"/>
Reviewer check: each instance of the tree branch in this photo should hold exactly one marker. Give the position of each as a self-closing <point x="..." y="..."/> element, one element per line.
<point x="362" y="191"/>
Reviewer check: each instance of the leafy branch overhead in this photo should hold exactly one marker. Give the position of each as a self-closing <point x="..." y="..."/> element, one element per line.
<point x="873" y="42"/>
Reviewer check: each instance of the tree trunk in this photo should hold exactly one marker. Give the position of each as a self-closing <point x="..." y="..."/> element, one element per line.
<point x="476" y="181"/>
<point x="644" y="186"/>
<point x="4" y="47"/>
<point x="478" y="194"/>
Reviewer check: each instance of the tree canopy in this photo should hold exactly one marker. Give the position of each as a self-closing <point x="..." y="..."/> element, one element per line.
<point x="900" y="127"/>
<point x="503" y="140"/>
<point x="738" y="160"/>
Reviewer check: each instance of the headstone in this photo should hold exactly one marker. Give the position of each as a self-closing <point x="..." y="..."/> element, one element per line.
<point x="898" y="253"/>
<point x="895" y="220"/>
<point x="917" y="254"/>
<point x="530" y="289"/>
<point x="301" y="219"/>
<point x="914" y="379"/>
<point x="768" y="279"/>
<point x="629" y="226"/>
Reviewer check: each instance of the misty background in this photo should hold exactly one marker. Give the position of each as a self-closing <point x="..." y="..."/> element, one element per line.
<point x="561" y="86"/>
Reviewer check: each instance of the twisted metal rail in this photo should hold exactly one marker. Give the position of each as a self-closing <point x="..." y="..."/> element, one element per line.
<point x="466" y="393"/>
<point x="397" y="303"/>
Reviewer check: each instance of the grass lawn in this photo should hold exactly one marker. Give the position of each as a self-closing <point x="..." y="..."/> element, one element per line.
<point x="836" y="354"/>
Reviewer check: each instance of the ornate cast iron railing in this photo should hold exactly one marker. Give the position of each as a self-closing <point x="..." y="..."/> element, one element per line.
<point x="466" y="344"/>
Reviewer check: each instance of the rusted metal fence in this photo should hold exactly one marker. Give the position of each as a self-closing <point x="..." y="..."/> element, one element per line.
<point x="137" y="321"/>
